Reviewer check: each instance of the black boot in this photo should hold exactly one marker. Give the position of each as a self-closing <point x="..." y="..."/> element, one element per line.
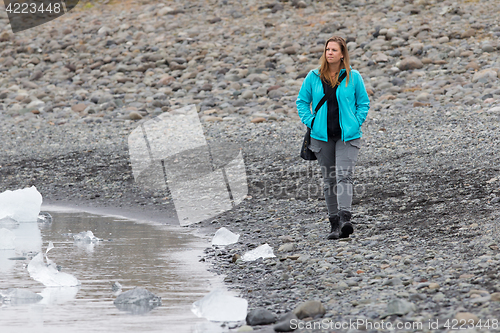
<point x="345" y="222"/>
<point x="335" y="230"/>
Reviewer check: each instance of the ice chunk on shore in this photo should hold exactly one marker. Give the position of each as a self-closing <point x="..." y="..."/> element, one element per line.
<point x="219" y="305"/>
<point x="86" y="237"/>
<point x="48" y="274"/>
<point x="22" y="205"/>
<point x="7" y="239"/>
<point x="224" y="237"/>
<point x="263" y="251"/>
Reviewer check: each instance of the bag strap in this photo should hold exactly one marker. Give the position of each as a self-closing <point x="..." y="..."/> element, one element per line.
<point x="323" y="100"/>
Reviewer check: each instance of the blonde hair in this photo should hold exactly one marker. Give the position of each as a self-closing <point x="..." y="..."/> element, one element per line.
<point x="324" y="71"/>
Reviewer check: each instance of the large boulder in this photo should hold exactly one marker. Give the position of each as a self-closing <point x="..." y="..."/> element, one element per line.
<point x="313" y="309"/>
<point x="410" y="63"/>
<point x="260" y="316"/>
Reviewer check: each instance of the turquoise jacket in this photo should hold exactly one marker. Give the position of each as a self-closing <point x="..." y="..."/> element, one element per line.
<point x="353" y="105"/>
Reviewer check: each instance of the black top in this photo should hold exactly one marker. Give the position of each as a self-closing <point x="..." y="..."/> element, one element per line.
<point x="334" y="130"/>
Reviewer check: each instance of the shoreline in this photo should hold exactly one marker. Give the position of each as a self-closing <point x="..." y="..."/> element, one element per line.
<point x="135" y="214"/>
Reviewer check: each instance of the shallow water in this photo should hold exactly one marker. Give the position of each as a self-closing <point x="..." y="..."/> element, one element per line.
<point x="161" y="258"/>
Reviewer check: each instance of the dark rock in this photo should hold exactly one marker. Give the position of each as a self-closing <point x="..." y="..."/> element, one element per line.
<point x="260" y="316"/>
<point x="70" y="66"/>
<point x="395" y="53"/>
<point x="286" y="322"/>
<point x="214" y="20"/>
<point x="398" y="81"/>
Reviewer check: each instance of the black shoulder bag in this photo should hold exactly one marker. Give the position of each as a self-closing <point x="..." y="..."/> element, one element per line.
<point x="305" y="152"/>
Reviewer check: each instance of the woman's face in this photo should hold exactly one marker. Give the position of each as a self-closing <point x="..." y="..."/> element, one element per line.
<point x="333" y="53"/>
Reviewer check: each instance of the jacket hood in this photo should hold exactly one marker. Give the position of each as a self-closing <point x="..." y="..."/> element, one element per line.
<point x="316" y="71"/>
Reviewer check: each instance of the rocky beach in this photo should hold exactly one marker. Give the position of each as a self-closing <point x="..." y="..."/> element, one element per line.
<point x="426" y="248"/>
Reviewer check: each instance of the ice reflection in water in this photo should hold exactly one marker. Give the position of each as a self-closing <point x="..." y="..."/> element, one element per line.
<point x="152" y="256"/>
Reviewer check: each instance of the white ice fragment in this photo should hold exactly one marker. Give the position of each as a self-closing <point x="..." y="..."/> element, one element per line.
<point x="8" y="223"/>
<point x="263" y="251"/>
<point x="17" y="296"/>
<point x="28" y="237"/>
<point x="219" y="305"/>
<point x="50" y="247"/>
<point x="22" y="205"/>
<point x="86" y="236"/>
<point x="58" y="295"/>
<point x="116" y="286"/>
<point x="48" y="273"/>
<point x="224" y="237"/>
<point x="44" y="217"/>
<point x="7" y="239"/>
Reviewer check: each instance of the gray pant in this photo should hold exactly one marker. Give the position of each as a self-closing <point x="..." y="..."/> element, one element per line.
<point x="337" y="160"/>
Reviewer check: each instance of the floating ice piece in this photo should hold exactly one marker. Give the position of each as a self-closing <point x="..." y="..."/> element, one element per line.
<point x="263" y="251"/>
<point x="137" y="301"/>
<point x="21" y="205"/>
<point x="44" y="217"/>
<point x="224" y="237"/>
<point x="219" y="305"/>
<point x="8" y="223"/>
<point x="50" y="247"/>
<point x="7" y="239"/>
<point x="15" y="296"/>
<point x="48" y="273"/>
<point x="86" y="236"/>
<point x="28" y="237"/>
<point x="58" y="295"/>
<point x="209" y="326"/>
<point x="116" y="286"/>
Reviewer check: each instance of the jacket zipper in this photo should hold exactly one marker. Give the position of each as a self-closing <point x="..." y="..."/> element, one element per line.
<point x="340" y="118"/>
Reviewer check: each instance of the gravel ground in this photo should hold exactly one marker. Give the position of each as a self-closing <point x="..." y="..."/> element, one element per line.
<point x="426" y="205"/>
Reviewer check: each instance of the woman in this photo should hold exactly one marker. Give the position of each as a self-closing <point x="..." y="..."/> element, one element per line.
<point x="336" y="130"/>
